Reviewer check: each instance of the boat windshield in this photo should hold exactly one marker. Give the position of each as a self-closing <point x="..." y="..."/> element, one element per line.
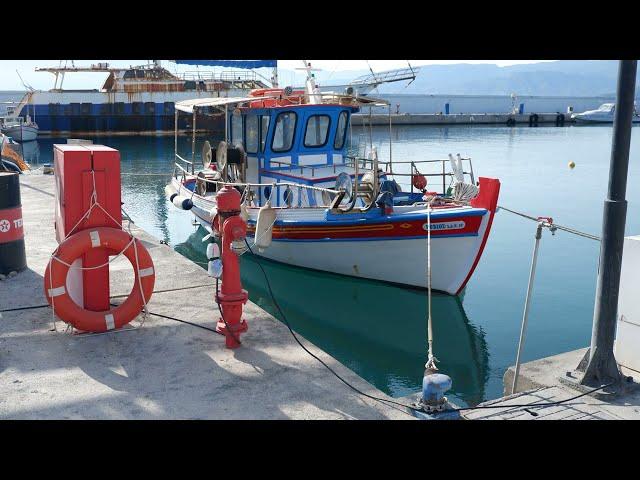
<point x="607" y="107"/>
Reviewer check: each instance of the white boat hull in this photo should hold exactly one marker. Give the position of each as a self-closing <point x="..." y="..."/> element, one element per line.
<point x="24" y="133"/>
<point x="604" y="114"/>
<point x="398" y="260"/>
<point x="601" y="119"/>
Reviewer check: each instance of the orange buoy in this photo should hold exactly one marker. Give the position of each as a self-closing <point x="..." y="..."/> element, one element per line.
<point x="74" y="247"/>
<point x="419" y="181"/>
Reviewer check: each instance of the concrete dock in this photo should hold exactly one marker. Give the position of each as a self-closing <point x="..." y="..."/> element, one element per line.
<point x="543" y="381"/>
<point x="163" y="369"/>
<point x="460" y="119"/>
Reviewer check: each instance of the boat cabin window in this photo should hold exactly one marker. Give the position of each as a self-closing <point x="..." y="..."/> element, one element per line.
<point x="237" y="136"/>
<point x="317" y="131"/>
<point x="11" y="121"/>
<point x="284" y="132"/>
<point x="264" y="128"/>
<point x="341" y="131"/>
<point x="251" y="134"/>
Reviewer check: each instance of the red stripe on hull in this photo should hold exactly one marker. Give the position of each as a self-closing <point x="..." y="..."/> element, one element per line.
<point x="467" y="225"/>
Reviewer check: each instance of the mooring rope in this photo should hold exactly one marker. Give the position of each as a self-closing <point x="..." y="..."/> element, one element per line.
<point x="431" y="359"/>
<point x="135" y="174"/>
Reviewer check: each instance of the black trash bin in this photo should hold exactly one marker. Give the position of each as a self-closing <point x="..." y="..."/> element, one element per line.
<point x="12" y="253"/>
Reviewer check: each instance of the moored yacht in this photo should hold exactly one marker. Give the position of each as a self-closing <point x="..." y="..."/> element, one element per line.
<point x="603" y="114"/>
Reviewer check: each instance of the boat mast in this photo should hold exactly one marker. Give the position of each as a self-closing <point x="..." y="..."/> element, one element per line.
<point x="312" y="91"/>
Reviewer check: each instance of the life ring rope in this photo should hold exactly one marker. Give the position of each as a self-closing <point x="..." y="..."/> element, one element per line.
<point x="95" y="241"/>
<point x="76" y="246"/>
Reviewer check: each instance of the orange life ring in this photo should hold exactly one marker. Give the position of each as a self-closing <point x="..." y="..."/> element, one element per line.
<point x="115" y="240"/>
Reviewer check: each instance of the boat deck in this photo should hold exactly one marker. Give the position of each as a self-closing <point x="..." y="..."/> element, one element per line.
<point x="164" y="369"/>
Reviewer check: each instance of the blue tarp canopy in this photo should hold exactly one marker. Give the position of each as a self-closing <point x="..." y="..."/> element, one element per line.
<point x="232" y="63"/>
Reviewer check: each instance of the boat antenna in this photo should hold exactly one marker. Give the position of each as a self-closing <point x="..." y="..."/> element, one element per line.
<point x="274" y="76"/>
<point x="313" y="93"/>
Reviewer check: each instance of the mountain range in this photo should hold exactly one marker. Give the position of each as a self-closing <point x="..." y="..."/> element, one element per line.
<point x="562" y="77"/>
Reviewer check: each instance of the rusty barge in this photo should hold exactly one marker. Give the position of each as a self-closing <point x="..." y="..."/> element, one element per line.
<point x="138" y="99"/>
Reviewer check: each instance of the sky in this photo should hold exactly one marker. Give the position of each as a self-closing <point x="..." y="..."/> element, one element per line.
<point x="9" y="79"/>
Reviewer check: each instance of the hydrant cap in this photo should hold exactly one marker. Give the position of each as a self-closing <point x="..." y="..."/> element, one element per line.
<point x="228" y="199"/>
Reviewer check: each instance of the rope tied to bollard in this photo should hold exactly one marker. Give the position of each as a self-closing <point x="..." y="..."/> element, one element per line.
<point x="431" y="359"/>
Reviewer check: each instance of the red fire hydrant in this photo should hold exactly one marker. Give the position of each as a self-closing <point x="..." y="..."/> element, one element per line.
<point x="231" y="296"/>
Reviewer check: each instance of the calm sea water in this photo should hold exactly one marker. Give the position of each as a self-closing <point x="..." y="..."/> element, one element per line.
<point x="379" y="331"/>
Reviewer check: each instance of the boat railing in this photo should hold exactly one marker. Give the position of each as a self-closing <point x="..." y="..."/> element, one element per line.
<point x="431" y="165"/>
<point x="184" y="169"/>
<point x="324" y="199"/>
<point x="179" y="159"/>
<point x="11" y="121"/>
<point x="225" y="76"/>
<point x="182" y="159"/>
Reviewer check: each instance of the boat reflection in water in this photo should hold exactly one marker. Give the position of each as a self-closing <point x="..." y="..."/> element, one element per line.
<point x="377" y="330"/>
<point x="30" y="152"/>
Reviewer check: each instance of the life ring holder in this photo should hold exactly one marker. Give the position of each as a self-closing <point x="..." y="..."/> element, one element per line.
<point x="74" y="247"/>
<point x="93" y="203"/>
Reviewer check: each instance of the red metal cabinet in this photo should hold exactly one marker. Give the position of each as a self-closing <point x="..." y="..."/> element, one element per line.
<point x="73" y="165"/>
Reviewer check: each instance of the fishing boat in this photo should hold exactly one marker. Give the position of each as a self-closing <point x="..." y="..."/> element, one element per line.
<point x="21" y="128"/>
<point x="603" y="114"/>
<point x="18" y="128"/>
<point x="309" y="202"/>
